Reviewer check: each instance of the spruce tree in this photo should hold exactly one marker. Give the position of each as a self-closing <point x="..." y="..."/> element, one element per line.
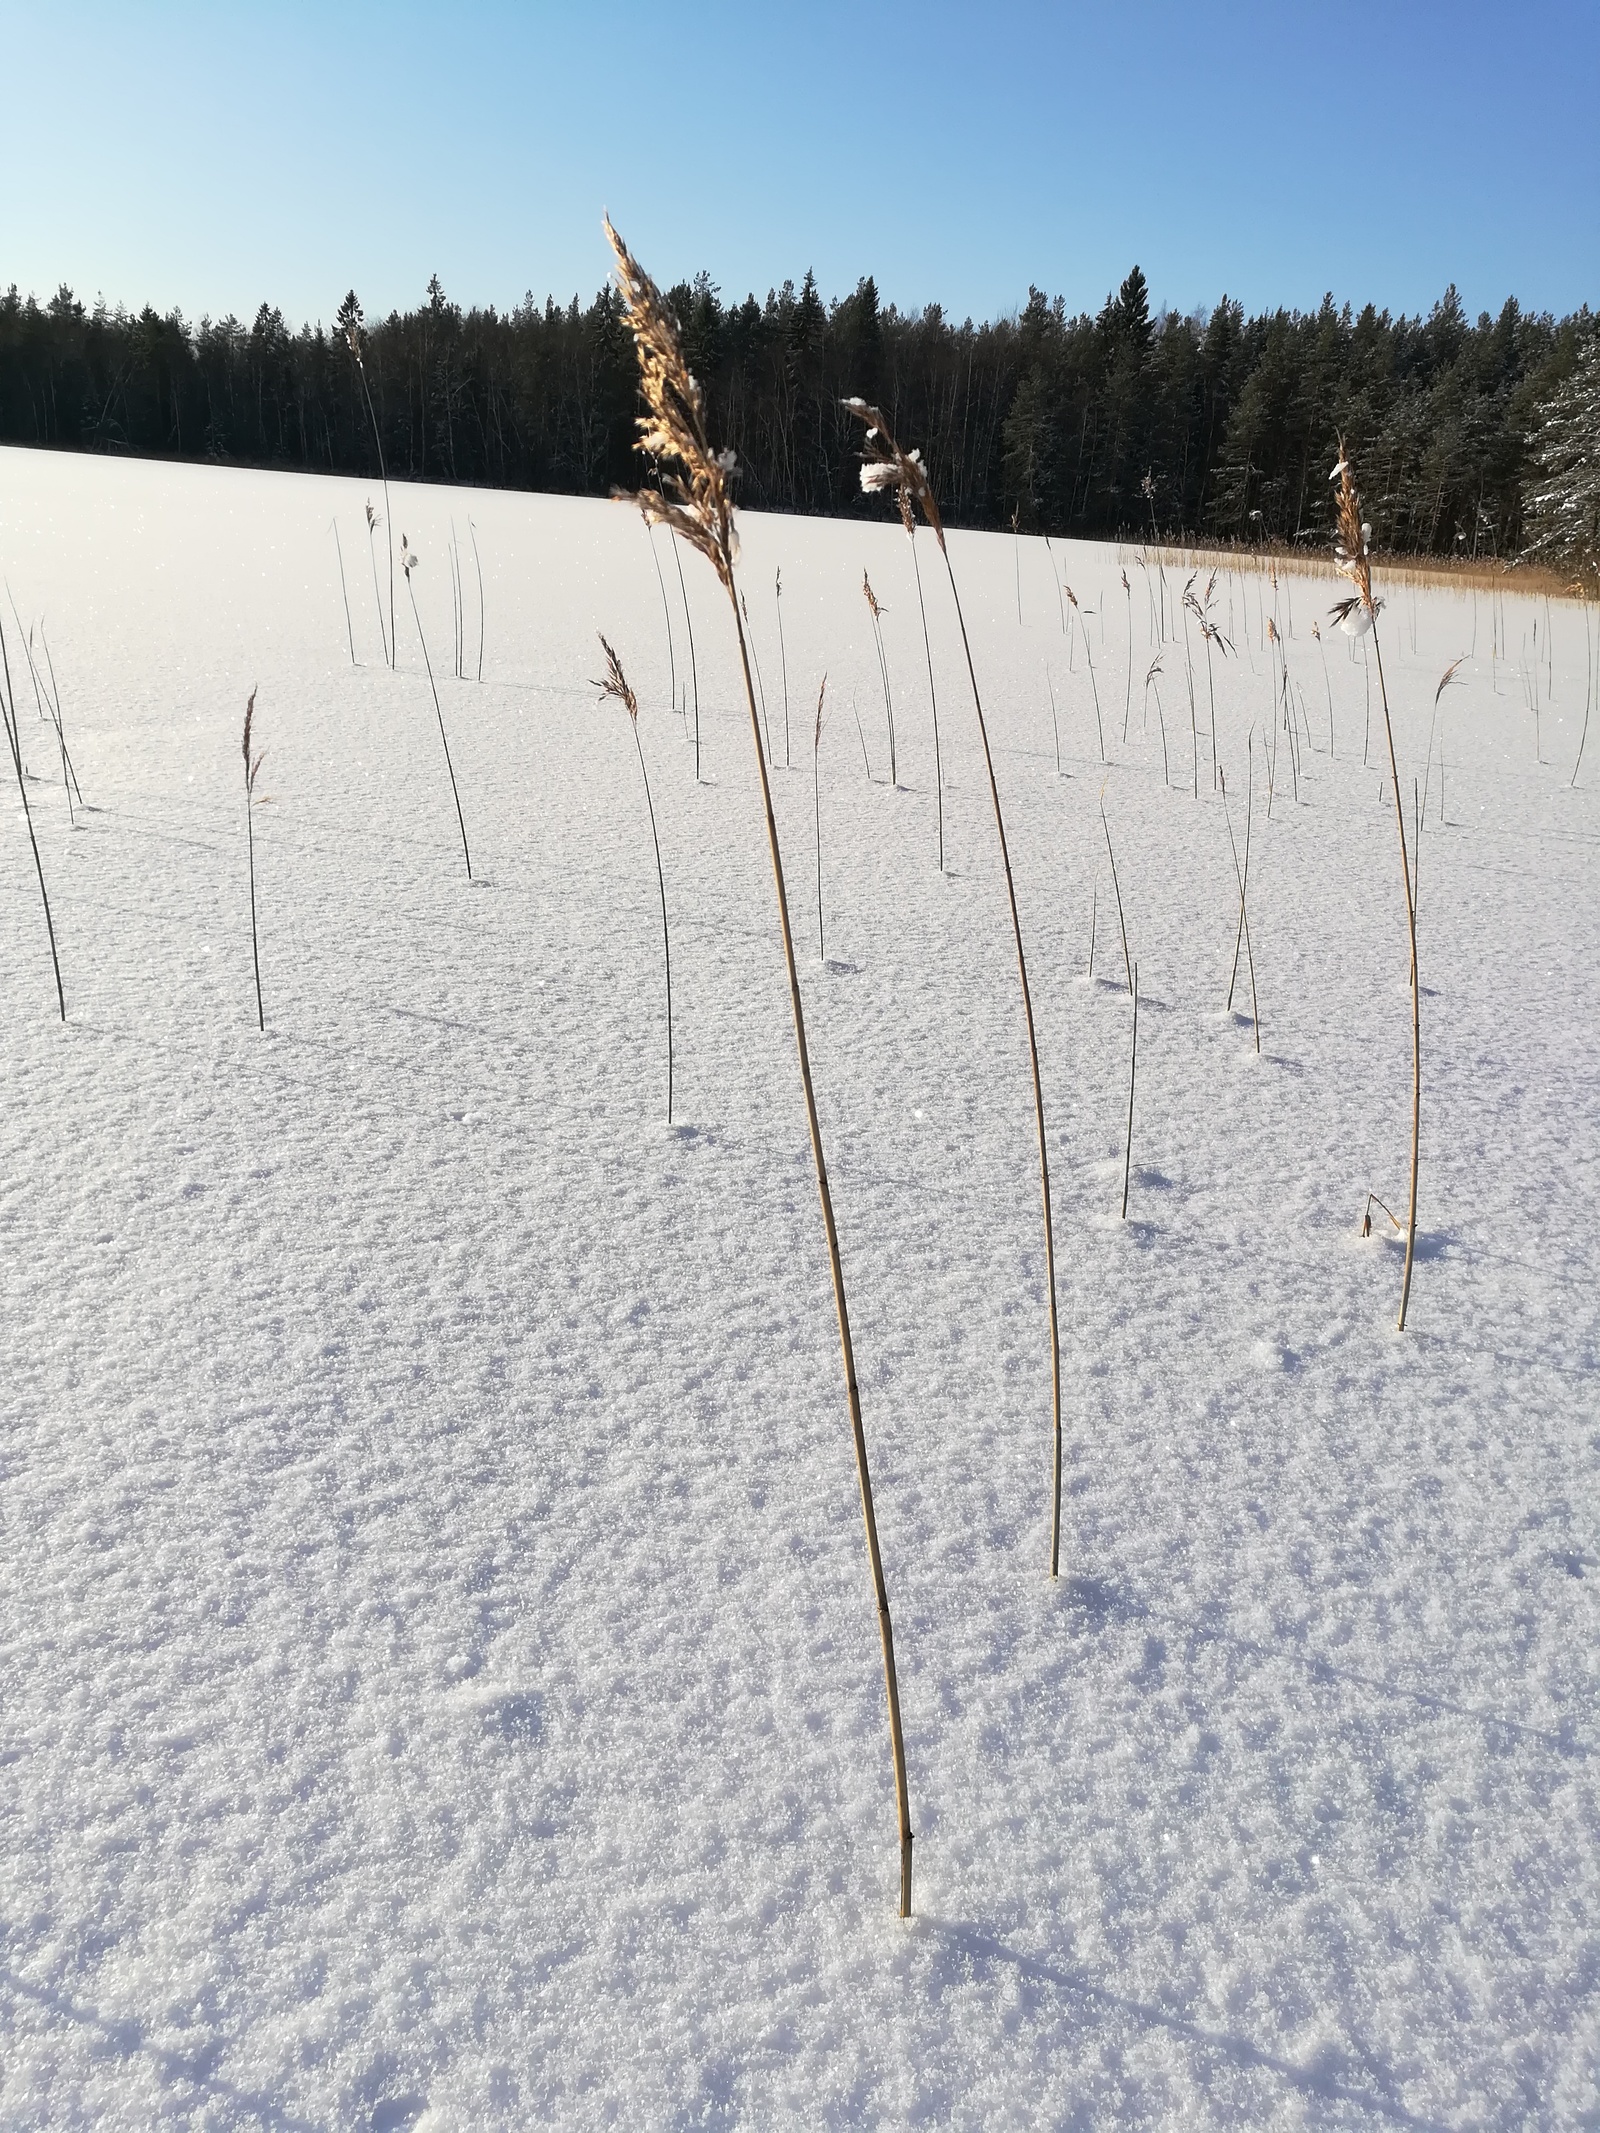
<point x="1562" y="512"/>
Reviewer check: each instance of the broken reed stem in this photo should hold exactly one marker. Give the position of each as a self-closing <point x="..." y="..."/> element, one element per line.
<point x="694" y="670"/>
<point x="700" y="504"/>
<point x="477" y="565"/>
<point x="252" y="766"/>
<point x="344" y="590"/>
<point x="933" y="695"/>
<point x="8" y="711"/>
<point x="1242" y="876"/>
<point x="408" y="564"/>
<point x="1094" y="895"/>
<point x="1133" y="1069"/>
<point x="1127" y="960"/>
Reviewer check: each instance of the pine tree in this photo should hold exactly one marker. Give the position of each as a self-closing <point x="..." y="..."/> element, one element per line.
<point x="1562" y="511"/>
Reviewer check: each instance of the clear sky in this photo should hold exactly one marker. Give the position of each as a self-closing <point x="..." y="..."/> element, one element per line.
<point x="212" y="157"/>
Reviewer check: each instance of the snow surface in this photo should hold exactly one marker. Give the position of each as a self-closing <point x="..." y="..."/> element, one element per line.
<point x="440" y="1681"/>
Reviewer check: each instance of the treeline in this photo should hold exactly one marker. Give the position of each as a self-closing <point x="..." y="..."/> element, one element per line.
<point x="1211" y="425"/>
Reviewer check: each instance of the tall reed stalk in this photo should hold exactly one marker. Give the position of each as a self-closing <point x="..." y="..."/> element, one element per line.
<point x="908" y="520"/>
<point x="350" y="313"/>
<point x="477" y="564"/>
<point x="252" y="770"/>
<point x="1241" y="875"/>
<point x="696" y="503"/>
<point x="8" y="711"/>
<point x="408" y="563"/>
<point x="877" y="614"/>
<point x="1353" y="560"/>
<point x="61" y="724"/>
<point x="344" y="590"/>
<point x="372" y="558"/>
<point x="886" y="466"/>
<point x="816" y="806"/>
<point x="1100" y="730"/>
<point x="783" y="658"/>
<point x="615" y="684"/>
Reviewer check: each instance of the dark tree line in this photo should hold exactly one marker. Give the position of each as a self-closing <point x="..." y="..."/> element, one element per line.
<point x="1124" y="423"/>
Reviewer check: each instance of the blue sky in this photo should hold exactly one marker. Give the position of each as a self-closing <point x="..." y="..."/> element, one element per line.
<point x="212" y="157"/>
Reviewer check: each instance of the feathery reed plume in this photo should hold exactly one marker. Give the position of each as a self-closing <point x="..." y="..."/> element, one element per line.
<point x="1083" y="626"/>
<point x="350" y="319"/>
<point x="252" y="770"/>
<point x="614" y="683"/>
<point x="472" y="533"/>
<point x="886" y="467"/>
<point x="408" y="563"/>
<point x="816" y="803"/>
<point x="8" y="713"/>
<point x="1242" y="876"/>
<point x="372" y="557"/>
<point x="344" y="590"/>
<point x="877" y="613"/>
<point x="1359" y="616"/>
<point x="694" y="499"/>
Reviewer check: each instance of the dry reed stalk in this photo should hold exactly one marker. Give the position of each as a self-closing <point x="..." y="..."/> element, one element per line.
<point x="1588" y="698"/>
<point x="1451" y="677"/>
<point x="766" y="723"/>
<point x="1089" y="656"/>
<point x="1133" y="1069"/>
<point x="353" y="336"/>
<point x="1116" y="887"/>
<point x="695" y="502"/>
<point x="252" y="769"/>
<point x="694" y="669"/>
<point x="8" y="713"/>
<point x="1050" y="555"/>
<point x="816" y="804"/>
<point x="1127" y="693"/>
<point x="61" y="727"/>
<point x="1327" y="679"/>
<point x="1353" y="559"/>
<point x="783" y="658"/>
<point x="1242" y="876"/>
<point x="1055" y="723"/>
<point x="886" y="467"/>
<point x="1151" y="681"/>
<point x="1016" y="557"/>
<point x="372" y="557"/>
<point x="408" y="563"/>
<point x="666" y="612"/>
<point x="472" y="534"/>
<point x="908" y="520"/>
<point x="615" y="684"/>
<point x="455" y="603"/>
<point x="47" y="715"/>
<point x="344" y="592"/>
<point x="877" y="613"/>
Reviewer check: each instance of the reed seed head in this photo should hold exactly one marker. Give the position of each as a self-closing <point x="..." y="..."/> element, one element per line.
<point x="885" y="466"/>
<point x="615" y="682"/>
<point x="1353" y="548"/>
<point x="872" y="598"/>
<point x="694" y="498"/>
<point x="821" y="693"/>
<point x="252" y="763"/>
<point x="409" y="558"/>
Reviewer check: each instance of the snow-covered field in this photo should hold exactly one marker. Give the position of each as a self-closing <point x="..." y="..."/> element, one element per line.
<point x="438" y="1675"/>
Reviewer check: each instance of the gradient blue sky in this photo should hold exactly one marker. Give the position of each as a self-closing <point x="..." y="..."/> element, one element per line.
<point x="211" y="157"/>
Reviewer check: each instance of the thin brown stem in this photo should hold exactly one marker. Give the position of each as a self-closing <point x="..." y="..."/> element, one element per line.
<point x="1416" y="992"/>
